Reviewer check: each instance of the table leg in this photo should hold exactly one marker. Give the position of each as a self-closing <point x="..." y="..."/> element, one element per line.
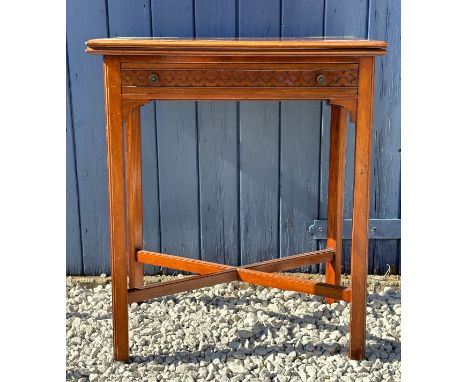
<point x="337" y="159"/>
<point x="134" y="196"/>
<point x="115" y="162"/>
<point x="362" y="176"/>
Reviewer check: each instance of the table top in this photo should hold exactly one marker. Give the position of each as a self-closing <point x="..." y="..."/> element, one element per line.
<point x="122" y="45"/>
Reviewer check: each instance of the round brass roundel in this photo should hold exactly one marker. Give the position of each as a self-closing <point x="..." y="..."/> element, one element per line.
<point x="153" y="78"/>
<point x="321" y="79"/>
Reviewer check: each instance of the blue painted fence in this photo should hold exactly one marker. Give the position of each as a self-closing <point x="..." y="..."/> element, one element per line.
<point x="207" y="192"/>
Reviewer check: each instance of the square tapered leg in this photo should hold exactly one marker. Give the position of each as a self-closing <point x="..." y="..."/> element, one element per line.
<point x="134" y="194"/>
<point x="361" y="199"/>
<point x="115" y="162"/>
<point x="336" y="178"/>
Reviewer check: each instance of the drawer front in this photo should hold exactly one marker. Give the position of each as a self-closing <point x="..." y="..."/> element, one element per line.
<point x="206" y="78"/>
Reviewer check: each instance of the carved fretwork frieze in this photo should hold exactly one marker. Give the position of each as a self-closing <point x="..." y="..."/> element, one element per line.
<point x="239" y="78"/>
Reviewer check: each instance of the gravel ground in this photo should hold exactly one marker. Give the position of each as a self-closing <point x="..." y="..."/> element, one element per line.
<point x="231" y="332"/>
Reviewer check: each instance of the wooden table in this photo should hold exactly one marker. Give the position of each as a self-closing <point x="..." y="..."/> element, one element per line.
<point x="139" y="70"/>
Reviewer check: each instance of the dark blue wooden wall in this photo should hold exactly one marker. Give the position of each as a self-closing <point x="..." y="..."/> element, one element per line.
<point x="234" y="182"/>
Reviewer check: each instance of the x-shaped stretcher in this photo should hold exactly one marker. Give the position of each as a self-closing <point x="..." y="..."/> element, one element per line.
<point x="261" y="273"/>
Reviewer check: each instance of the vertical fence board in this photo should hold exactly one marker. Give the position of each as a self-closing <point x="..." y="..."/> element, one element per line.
<point x="73" y="246"/>
<point x="172" y="18"/>
<point x="302" y="18"/>
<point x="130" y="18"/>
<point x="87" y="19"/>
<point x="347" y="18"/>
<point x="300" y="170"/>
<point x="177" y="146"/>
<point x="217" y="126"/>
<point x="178" y="179"/>
<point x="215" y="18"/>
<point x="300" y="143"/>
<point x="385" y="188"/>
<point x="259" y="152"/>
<point x="218" y="181"/>
<point x="259" y="18"/>
<point x="259" y="149"/>
<point x="341" y="19"/>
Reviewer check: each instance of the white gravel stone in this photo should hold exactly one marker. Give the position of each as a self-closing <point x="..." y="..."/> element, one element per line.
<point x="231" y="332"/>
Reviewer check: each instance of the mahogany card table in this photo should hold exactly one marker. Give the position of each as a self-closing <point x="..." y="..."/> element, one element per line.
<point x="140" y="70"/>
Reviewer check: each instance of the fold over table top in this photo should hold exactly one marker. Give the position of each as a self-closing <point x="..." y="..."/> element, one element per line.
<point x="310" y="45"/>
